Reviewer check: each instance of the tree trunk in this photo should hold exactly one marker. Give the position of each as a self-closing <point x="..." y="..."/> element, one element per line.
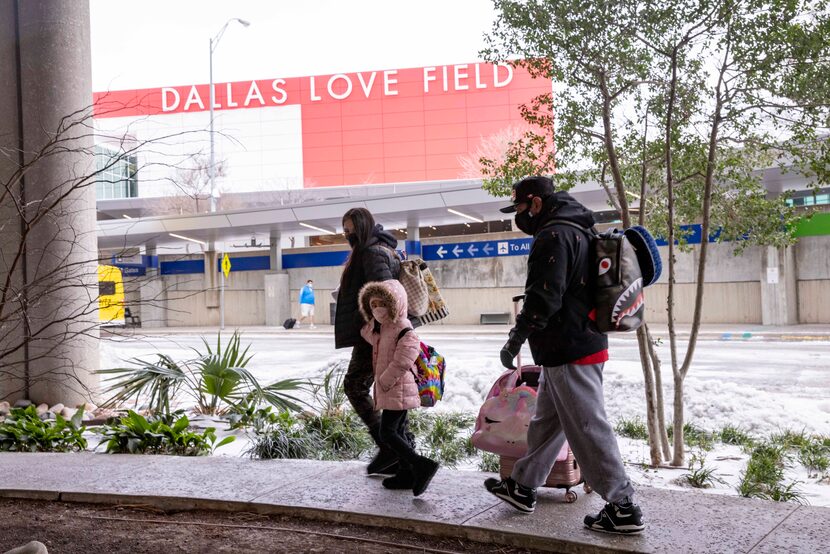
<point x="661" y="405"/>
<point x="679" y="448"/>
<point x="652" y="421"/>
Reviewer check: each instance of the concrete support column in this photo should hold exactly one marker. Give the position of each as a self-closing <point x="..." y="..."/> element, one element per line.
<point x="779" y="286"/>
<point x="412" y="246"/>
<point x="49" y="244"/>
<point x="153" y="297"/>
<point x="276" y="251"/>
<point x="277" y="299"/>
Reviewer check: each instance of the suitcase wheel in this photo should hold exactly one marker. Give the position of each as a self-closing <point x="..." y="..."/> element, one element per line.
<point x="571" y="496"/>
<point x="587" y="488"/>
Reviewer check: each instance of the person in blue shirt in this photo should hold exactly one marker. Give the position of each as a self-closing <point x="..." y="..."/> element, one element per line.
<point x="307" y="304"/>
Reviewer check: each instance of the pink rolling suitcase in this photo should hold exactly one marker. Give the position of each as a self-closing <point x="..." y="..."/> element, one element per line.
<point x="501" y="426"/>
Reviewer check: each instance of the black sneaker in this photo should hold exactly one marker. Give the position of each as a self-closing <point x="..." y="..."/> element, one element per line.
<point x="520" y="497"/>
<point x="617" y="518"/>
<point x="385" y="462"/>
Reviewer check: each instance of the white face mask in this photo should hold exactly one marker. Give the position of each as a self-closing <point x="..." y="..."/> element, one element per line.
<point x="380" y="314"/>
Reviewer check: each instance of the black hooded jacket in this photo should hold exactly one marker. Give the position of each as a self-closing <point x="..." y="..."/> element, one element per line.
<point x="376" y="261"/>
<point x="554" y="317"/>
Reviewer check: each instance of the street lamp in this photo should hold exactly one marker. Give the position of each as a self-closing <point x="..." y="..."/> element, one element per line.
<point x="212" y="170"/>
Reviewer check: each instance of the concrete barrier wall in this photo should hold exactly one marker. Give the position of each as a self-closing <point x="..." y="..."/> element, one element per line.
<point x="475" y="286"/>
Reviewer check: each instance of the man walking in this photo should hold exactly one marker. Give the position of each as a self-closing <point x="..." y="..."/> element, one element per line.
<point x="557" y="319"/>
<point x="307" y="303"/>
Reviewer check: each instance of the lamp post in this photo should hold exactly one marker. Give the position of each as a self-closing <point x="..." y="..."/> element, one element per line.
<point x="212" y="170"/>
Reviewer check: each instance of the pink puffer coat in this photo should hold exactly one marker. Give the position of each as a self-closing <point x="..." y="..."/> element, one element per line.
<point x="392" y="359"/>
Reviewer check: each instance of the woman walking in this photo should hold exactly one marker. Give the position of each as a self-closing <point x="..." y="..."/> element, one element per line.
<point x="372" y="258"/>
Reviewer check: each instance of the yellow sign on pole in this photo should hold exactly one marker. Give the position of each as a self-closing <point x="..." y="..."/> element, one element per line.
<point x="226" y="265"/>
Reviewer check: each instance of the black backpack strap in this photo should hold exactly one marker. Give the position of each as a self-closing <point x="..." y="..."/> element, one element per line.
<point x="402" y="333"/>
<point x="592" y="231"/>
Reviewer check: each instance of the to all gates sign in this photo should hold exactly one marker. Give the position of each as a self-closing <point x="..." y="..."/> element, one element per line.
<point x="479" y="249"/>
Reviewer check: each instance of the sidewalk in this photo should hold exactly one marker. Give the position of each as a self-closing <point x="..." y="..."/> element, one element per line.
<point x="720" y="331"/>
<point x="456" y="504"/>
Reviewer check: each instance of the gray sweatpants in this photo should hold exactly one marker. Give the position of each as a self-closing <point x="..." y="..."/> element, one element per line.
<point x="570" y="404"/>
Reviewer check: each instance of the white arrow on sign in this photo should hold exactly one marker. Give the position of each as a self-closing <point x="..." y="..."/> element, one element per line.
<point x="487" y="249"/>
<point x="440" y="251"/>
<point x="457" y="251"/>
<point x="472" y="250"/>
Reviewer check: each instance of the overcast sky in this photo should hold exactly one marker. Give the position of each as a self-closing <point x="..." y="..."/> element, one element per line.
<point x="153" y="43"/>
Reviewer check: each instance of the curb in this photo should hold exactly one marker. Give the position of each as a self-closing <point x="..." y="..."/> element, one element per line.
<point x="483" y="535"/>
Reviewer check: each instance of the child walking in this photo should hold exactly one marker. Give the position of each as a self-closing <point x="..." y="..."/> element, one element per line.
<point x="395" y="347"/>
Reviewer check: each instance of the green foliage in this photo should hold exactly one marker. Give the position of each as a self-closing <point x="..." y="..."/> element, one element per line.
<point x="815" y="456"/>
<point x="764" y="475"/>
<point x="216" y="381"/>
<point x="164" y="434"/>
<point x="696" y="436"/>
<point x="444" y="437"/>
<point x="24" y="431"/>
<point x="700" y="476"/>
<point x="329" y="394"/>
<point x="489" y="462"/>
<point x="790" y="439"/>
<point x="343" y="434"/>
<point x="736" y="435"/>
<point x="632" y="428"/>
<point x="286" y="437"/>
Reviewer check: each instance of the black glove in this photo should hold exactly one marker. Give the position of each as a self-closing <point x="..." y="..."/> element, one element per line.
<point x="509" y="351"/>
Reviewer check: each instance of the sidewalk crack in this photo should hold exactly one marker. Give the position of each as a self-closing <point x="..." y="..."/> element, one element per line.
<point x="771" y="531"/>
<point x="464" y="522"/>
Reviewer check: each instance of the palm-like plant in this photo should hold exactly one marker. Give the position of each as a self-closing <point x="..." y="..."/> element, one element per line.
<point x="217" y="381"/>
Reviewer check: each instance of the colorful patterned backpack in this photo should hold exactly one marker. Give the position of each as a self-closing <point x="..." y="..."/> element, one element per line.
<point x="429" y="373"/>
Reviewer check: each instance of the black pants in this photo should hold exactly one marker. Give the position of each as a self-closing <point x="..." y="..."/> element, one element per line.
<point x="393" y="435"/>
<point x="357" y="385"/>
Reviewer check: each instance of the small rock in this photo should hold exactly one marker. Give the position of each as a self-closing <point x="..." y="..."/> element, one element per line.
<point x="46" y="415"/>
<point x="42" y="409"/>
<point x="88" y="407"/>
<point x="67" y="413"/>
<point x="5" y="408"/>
<point x="33" y="547"/>
<point x="22" y="403"/>
<point x="56" y="409"/>
<point x="87" y="417"/>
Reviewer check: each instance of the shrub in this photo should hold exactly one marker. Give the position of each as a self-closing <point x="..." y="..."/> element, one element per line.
<point x="24" y="431"/>
<point x="286" y="437"/>
<point x="632" y="428"/>
<point x="697" y="436"/>
<point x="217" y="382"/>
<point x="489" y="462"/>
<point x="444" y="437"/>
<point x="764" y="475"/>
<point x="791" y="440"/>
<point x="815" y="456"/>
<point x="343" y="434"/>
<point x="737" y="436"/>
<point x="165" y="434"/>
<point x="700" y="476"/>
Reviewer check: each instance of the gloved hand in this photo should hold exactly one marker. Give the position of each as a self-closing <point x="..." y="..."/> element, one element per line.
<point x="509" y="351"/>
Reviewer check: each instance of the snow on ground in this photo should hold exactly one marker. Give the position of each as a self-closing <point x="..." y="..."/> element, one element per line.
<point x="764" y="387"/>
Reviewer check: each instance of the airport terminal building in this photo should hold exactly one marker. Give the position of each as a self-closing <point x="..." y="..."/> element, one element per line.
<point x="292" y="154"/>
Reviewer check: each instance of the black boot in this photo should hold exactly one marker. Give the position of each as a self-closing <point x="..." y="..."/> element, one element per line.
<point x="384" y="462"/>
<point x="424" y="470"/>
<point x="404" y="479"/>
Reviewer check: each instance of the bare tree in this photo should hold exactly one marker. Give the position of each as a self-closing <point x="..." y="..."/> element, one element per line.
<point x="49" y="258"/>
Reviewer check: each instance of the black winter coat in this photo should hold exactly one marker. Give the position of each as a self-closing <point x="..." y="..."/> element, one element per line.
<point x="376" y="261"/>
<point x="558" y="295"/>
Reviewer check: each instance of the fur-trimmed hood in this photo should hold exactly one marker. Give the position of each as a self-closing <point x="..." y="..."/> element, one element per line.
<point x="391" y="292"/>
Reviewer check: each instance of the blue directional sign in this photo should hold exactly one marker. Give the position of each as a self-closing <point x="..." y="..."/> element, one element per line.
<point x="479" y="249"/>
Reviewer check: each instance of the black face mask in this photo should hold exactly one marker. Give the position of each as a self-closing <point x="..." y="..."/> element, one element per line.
<point x="527" y="223"/>
<point x="352" y="238"/>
